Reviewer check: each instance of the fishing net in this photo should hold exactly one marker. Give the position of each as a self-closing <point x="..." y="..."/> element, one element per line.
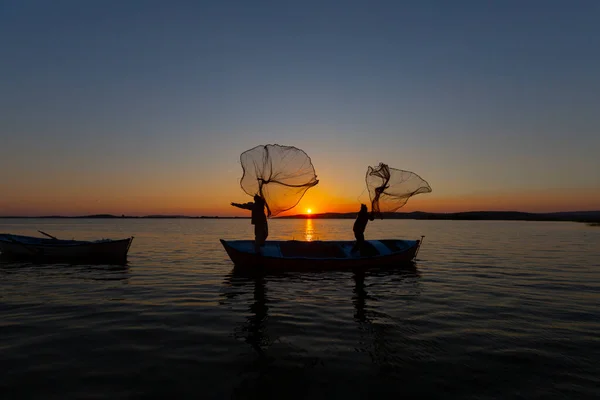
<point x="390" y="188"/>
<point x="279" y="174"/>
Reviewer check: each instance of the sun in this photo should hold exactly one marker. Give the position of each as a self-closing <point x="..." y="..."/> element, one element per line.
<point x="308" y="211"/>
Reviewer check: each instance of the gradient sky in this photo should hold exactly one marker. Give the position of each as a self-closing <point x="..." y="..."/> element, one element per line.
<point x="143" y="107"/>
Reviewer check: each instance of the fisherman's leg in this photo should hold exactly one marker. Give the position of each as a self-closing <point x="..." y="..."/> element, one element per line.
<point x="260" y="236"/>
<point x="257" y="238"/>
<point x="360" y="238"/>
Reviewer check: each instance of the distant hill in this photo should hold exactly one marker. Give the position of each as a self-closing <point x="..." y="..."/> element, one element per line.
<point x="573" y="216"/>
<point x="110" y="216"/>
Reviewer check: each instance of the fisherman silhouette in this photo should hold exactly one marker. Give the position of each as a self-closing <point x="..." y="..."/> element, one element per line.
<point x="359" y="226"/>
<point x="259" y="220"/>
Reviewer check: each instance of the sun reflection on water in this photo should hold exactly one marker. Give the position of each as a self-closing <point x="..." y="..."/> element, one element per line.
<point x="309" y="230"/>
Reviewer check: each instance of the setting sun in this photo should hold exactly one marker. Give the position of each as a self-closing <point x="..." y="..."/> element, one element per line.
<point x="308" y="211"/>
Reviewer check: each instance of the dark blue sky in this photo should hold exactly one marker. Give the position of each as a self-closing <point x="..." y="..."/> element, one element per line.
<point x="475" y="96"/>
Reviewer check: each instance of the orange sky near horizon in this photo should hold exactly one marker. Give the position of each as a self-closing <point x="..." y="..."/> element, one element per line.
<point x="317" y="199"/>
<point x="182" y="186"/>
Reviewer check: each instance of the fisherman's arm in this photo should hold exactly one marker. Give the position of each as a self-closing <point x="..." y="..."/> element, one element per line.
<point x="245" y="206"/>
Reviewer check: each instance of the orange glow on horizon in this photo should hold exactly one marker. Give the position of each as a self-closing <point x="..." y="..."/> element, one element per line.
<point x="536" y="201"/>
<point x="318" y="201"/>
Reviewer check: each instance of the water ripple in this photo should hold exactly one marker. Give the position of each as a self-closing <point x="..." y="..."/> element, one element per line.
<point x="490" y="310"/>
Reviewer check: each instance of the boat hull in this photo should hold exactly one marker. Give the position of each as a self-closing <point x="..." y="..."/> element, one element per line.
<point x="26" y="247"/>
<point x="298" y="255"/>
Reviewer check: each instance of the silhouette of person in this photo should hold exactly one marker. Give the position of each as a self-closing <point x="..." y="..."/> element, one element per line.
<point x="259" y="220"/>
<point x="359" y="226"/>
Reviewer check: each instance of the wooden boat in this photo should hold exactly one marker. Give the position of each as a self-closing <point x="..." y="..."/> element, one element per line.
<point x="293" y="254"/>
<point x="29" y="247"/>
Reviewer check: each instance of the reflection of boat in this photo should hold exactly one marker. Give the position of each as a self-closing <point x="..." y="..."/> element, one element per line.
<point x="404" y="279"/>
<point x="254" y="330"/>
<point x="383" y="336"/>
<point x="293" y="254"/>
<point x="29" y="247"/>
<point x="368" y="336"/>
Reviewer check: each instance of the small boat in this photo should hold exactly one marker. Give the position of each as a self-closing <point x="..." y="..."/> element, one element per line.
<point x="35" y="248"/>
<point x="294" y="254"/>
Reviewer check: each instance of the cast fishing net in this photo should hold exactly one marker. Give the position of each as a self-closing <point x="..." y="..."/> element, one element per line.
<point x="390" y="188"/>
<point x="279" y="174"/>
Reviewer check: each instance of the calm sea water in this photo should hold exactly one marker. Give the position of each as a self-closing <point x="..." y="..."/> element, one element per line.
<point x="491" y="310"/>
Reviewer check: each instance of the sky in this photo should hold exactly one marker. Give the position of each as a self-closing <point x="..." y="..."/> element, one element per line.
<point x="144" y="107"/>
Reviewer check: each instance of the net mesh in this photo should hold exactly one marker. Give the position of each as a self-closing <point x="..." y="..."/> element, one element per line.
<point x="390" y="188"/>
<point x="279" y="174"/>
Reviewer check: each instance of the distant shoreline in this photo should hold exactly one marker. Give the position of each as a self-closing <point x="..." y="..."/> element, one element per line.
<point x="592" y="217"/>
<point x="110" y="216"/>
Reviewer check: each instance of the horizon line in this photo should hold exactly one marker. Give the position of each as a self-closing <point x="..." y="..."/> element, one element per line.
<point x="303" y="215"/>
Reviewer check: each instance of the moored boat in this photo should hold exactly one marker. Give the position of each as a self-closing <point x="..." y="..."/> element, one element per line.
<point x="30" y="247"/>
<point x="293" y="254"/>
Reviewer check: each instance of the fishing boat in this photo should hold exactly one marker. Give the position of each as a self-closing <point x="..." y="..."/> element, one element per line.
<point x="51" y="248"/>
<point x="294" y="254"/>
